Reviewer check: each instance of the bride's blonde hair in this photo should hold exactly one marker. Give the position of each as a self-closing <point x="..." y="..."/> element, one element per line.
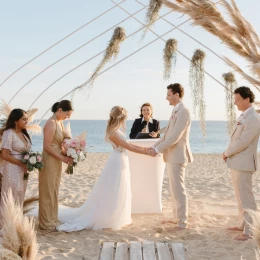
<point x="116" y="119"/>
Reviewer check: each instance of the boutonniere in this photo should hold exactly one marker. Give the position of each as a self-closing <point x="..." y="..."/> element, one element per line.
<point x="239" y="123"/>
<point x="173" y="115"/>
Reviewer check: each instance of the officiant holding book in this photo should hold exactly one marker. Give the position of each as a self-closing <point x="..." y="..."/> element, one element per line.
<point x="146" y="123"/>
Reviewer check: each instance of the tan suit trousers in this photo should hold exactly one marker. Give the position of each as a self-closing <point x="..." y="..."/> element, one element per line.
<point x="176" y="173"/>
<point x="242" y="182"/>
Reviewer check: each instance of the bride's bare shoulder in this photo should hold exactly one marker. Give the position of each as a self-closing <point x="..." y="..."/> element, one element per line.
<point x="116" y="134"/>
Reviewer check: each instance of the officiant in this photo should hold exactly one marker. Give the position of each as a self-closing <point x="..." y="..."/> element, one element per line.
<point x="146" y="123"/>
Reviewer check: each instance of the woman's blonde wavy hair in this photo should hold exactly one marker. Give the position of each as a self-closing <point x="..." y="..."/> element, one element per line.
<point x="116" y="119"/>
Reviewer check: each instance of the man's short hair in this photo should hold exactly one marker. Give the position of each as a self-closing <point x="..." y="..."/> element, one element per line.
<point x="177" y="88"/>
<point x="245" y="93"/>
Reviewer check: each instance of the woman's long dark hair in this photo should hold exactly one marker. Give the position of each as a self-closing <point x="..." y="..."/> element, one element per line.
<point x="14" y="116"/>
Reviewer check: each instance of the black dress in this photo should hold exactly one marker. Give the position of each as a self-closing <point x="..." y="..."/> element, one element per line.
<point x="138" y="126"/>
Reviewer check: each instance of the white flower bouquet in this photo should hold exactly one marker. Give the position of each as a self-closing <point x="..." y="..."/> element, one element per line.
<point x="75" y="148"/>
<point x="33" y="160"/>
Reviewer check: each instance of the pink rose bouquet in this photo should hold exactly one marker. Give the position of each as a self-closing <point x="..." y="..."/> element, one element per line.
<point x="33" y="160"/>
<point x="75" y="148"/>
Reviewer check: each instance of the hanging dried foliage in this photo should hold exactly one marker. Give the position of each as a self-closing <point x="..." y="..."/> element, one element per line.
<point x="232" y="29"/>
<point x="196" y="82"/>
<point x="231" y="84"/>
<point x="152" y="13"/>
<point x="112" y="51"/>
<point x="169" y="57"/>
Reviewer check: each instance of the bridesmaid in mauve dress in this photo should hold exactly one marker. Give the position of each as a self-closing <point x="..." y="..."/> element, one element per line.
<point x="15" y="139"/>
<point x="50" y="175"/>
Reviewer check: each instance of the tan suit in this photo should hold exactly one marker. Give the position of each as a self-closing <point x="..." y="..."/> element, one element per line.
<point x="177" y="154"/>
<point x="242" y="160"/>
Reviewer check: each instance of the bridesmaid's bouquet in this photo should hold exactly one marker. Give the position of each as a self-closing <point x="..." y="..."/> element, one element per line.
<point x="33" y="160"/>
<point x="75" y="148"/>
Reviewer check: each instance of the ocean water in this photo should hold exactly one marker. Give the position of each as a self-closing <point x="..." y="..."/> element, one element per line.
<point x="215" y="141"/>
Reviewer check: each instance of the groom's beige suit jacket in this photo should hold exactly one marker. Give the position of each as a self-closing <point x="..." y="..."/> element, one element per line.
<point x="242" y="150"/>
<point x="175" y="144"/>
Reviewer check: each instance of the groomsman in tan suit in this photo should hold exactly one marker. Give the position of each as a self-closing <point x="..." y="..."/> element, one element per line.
<point x="176" y="153"/>
<point x="241" y="158"/>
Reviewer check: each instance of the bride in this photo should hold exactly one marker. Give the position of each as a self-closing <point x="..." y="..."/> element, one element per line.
<point x="109" y="203"/>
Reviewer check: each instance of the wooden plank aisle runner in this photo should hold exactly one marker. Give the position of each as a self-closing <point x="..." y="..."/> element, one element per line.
<point x="135" y="250"/>
<point x="148" y="250"/>
<point x="121" y="251"/>
<point x="107" y="252"/>
<point x="178" y="251"/>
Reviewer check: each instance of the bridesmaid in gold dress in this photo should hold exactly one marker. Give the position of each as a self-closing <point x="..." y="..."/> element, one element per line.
<point x="50" y="175"/>
<point x="15" y="139"/>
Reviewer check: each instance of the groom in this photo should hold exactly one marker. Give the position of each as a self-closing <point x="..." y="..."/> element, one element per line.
<point x="176" y="153"/>
<point x="241" y="158"/>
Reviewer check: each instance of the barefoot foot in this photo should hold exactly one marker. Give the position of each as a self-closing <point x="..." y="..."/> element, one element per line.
<point x="169" y="221"/>
<point x="243" y="237"/>
<point x="234" y="229"/>
<point x="175" y="229"/>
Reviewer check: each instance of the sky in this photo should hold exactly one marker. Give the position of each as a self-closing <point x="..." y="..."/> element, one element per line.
<point x="29" y="27"/>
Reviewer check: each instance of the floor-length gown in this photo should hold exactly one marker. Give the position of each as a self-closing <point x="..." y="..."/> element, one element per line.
<point x="109" y="203"/>
<point x="49" y="182"/>
<point x="12" y="174"/>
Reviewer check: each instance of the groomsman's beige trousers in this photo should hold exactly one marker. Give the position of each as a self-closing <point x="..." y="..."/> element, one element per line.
<point x="242" y="182"/>
<point x="176" y="173"/>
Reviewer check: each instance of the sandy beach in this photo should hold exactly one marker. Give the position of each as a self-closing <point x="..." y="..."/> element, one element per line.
<point x="212" y="209"/>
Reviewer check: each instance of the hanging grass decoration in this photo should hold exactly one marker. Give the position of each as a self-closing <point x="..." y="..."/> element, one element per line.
<point x="231" y="84"/>
<point x="152" y="13"/>
<point x="196" y="82"/>
<point x="232" y="29"/>
<point x="112" y="51"/>
<point x="169" y="57"/>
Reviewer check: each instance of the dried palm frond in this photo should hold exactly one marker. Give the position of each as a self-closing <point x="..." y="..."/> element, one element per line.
<point x="152" y="13"/>
<point x="255" y="226"/>
<point x="255" y="68"/>
<point x="27" y="204"/>
<point x="196" y="82"/>
<point x="30" y="113"/>
<point x="5" y="109"/>
<point x="256" y="105"/>
<point x="18" y="233"/>
<point x="234" y="31"/>
<point x="34" y="129"/>
<point x="231" y="84"/>
<point x="169" y="57"/>
<point x="112" y="51"/>
<point x="250" y="79"/>
<point x="243" y="28"/>
<point x="6" y="254"/>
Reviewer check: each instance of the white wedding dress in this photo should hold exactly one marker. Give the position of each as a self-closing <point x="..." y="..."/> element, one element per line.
<point x="109" y="203"/>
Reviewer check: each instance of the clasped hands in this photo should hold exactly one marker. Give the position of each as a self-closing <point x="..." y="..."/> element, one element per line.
<point x="151" y="152"/>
